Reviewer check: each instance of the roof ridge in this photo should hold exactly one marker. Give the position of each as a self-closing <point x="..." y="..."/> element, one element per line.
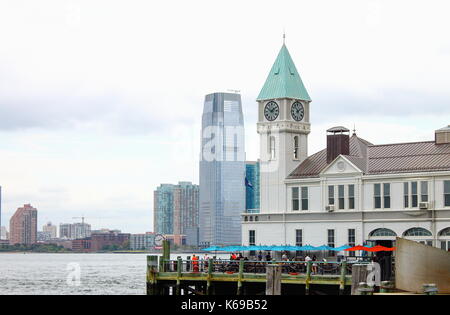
<point x="399" y="143"/>
<point x="404" y="156"/>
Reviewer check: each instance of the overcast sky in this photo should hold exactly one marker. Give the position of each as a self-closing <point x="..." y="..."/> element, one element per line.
<point x="101" y="101"/>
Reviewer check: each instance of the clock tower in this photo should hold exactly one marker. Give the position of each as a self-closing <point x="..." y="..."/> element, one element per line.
<point x="283" y="127"/>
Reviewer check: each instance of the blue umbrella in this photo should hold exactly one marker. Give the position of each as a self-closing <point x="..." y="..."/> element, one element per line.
<point x="232" y="248"/>
<point x="341" y="248"/>
<point x="307" y="247"/>
<point x="324" y="247"/>
<point x="212" y="248"/>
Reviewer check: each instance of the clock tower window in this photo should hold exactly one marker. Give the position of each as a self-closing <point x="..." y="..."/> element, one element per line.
<point x="272" y="148"/>
<point x="295" y="147"/>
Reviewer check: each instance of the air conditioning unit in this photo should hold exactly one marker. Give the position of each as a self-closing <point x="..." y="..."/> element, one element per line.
<point x="423" y="205"/>
<point x="329" y="208"/>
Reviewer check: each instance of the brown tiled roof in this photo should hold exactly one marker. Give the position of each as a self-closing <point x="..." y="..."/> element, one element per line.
<point x="408" y="157"/>
<point x="383" y="159"/>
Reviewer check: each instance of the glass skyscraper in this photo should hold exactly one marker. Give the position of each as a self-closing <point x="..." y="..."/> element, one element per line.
<point x="176" y="208"/>
<point x="163" y="209"/>
<point x="222" y="170"/>
<point x="252" y="187"/>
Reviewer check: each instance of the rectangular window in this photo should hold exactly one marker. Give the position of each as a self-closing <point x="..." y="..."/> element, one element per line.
<point x="298" y="238"/>
<point x="414" y="194"/>
<point x="351" y="196"/>
<point x="351" y="237"/>
<point x="341" y="197"/>
<point x="377" y="196"/>
<point x="406" y="195"/>
<point x="387" y="195"/>
<point x="304" y="198"/>
<point x="331" y="241"/>
<point x="330" y="195"/>
<point x="447" y="193"/>
<point x="295" y="199"/>
<point x="424" y="191"/>
<point x="351" y="240"/>
<point x="251" y="237"/>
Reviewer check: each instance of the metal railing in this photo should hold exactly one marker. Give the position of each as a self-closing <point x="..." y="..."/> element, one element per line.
<point x="255" y="267"/>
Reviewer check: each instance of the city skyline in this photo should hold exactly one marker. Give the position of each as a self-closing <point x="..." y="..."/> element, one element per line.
<point x="96" y="135"/>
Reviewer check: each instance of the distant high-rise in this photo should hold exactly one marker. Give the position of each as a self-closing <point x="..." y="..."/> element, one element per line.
<point x="23" y="226"/>
<point x="222" y="170"/>
<point x="65" y="231"/>
<point x="185" y="207"/>
<point x="163" y="209"/>
<point x="74" y="231"/>
<point x="252" y="187"/>
<point x="81" y="230"/>
<point x="3" y="233"/>
<point x="176" y="208"/>
<point x="52" y="229"/>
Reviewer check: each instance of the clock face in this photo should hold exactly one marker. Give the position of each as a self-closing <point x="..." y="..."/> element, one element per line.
<point x="159" y="239"/>
<point x="297" y="111"/>
<point x="271" y="111"/>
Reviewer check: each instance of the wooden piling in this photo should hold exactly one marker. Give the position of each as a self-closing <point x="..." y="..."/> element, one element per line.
<point x="179" y="270"/>
<point x="152" y="270"/>
<point x="166" y="255"/>
<point x="240" y="276"/>
<point x="273" y="280"/>
<point x="188" y="263"/>
<point x="208" y="277"/>
<point x="342" y="277"/>
<point x="308" y="277"/>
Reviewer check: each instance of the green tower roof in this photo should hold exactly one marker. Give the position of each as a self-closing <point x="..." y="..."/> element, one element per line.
<point x="283" y="80"/>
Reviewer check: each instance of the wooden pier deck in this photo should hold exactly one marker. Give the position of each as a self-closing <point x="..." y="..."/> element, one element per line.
<point x="243" y="277"/>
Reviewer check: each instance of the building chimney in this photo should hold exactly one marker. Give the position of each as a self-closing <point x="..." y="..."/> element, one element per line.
<point x="337" y="142"/>
<point x="442" y="136"/>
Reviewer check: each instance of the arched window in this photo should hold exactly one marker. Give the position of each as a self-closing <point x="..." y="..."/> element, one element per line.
<point x="445" y="232"/>
<point x="382" y="232"/>
<point x="272" y="147"/>
<point x="295" y="147"/>
<point x="417" y="232"/>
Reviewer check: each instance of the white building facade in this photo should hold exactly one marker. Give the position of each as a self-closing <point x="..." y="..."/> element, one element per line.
<point x="353" y="192"/>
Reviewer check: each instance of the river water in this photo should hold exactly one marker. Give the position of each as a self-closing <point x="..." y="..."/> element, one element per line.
<point x="33" y="273"/>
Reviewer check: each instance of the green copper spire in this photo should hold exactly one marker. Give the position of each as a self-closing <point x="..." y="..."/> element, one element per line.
<point x="283" y="80"/>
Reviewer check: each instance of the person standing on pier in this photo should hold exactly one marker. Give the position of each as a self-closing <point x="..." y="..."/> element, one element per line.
<point x="195" y="262"/>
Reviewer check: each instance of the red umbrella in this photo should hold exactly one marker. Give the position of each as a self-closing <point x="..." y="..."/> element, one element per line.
<point x="355" y="248"/>
<point x="379" y="248"/>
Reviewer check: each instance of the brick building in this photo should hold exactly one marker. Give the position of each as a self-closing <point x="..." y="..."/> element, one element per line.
<point x="23" y="226"/>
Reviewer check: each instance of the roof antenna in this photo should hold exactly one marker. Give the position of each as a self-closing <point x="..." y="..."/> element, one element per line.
<point x="354" y="129"/>
<point x="284" y="36"/>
